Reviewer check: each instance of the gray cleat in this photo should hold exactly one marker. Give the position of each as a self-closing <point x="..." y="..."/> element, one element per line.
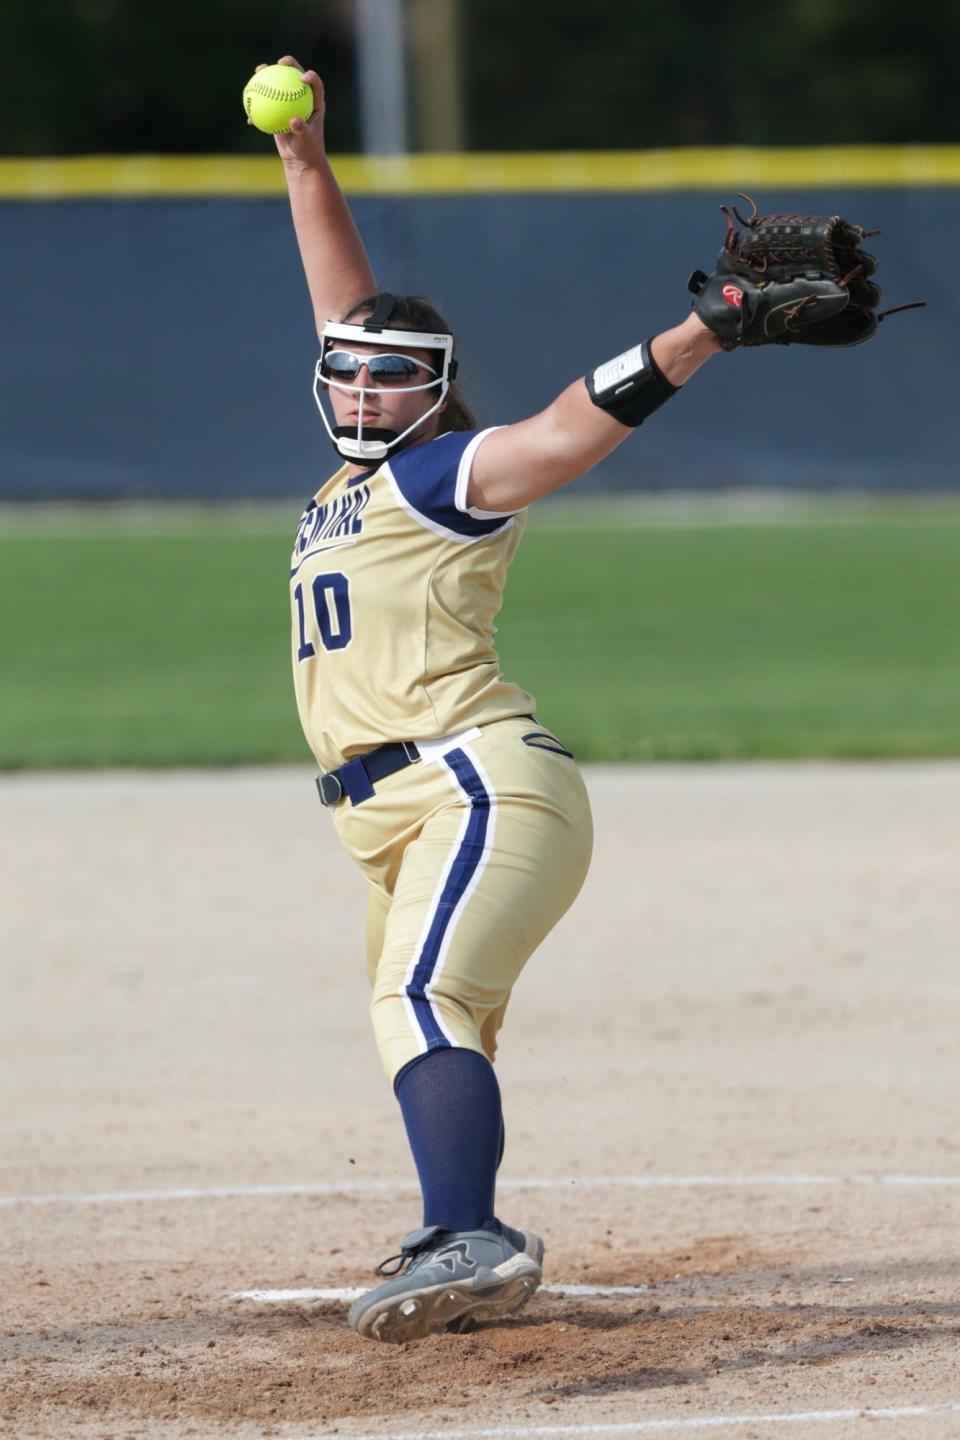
<point x="450" y="1278"/>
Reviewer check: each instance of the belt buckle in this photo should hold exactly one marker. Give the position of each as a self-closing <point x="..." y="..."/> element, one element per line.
<point x="329" y="789"/>
<point x="411" y="751"/>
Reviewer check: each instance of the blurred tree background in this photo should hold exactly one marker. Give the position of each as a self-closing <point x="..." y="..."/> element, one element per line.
<point x="118" y="76"/>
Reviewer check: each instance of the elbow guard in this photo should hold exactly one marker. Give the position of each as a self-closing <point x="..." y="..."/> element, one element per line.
<point x="631" y="386"/>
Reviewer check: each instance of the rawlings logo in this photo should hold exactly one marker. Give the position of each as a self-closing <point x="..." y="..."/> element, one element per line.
<point x="448" y="1256"/>
<point x="733" y="295"/>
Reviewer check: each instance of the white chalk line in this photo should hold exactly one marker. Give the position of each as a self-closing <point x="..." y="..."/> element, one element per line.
<point x="646" y="1427"/>
<point x="393" y="1187"/>
<point x="348" y="1293"/>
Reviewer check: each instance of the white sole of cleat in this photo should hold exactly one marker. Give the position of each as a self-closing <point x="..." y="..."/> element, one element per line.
<point x="425" y="1312"/>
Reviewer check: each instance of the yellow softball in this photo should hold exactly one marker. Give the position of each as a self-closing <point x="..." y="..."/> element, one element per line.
<point x="274" y="95"/>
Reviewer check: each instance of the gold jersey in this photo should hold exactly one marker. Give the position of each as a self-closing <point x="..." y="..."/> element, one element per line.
<point x="395" y="583"/>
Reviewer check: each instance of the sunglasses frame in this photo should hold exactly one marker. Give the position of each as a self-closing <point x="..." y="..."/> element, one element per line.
<point x="366" y="360"/>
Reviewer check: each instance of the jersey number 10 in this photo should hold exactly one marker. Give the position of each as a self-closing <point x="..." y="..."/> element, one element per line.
<point x="331" y="606"/>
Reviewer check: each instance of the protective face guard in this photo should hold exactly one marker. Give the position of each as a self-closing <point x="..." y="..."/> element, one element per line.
<point x="370" y="442"/>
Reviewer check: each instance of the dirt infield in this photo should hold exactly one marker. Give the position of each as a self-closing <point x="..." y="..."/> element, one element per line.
<point x="731" y="1080"/>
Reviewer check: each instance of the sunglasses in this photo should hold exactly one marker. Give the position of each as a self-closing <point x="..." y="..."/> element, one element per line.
<point x="385" y="369"/>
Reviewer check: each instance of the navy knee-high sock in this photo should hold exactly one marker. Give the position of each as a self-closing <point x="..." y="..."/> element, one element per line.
<point x="450" y="1102"/>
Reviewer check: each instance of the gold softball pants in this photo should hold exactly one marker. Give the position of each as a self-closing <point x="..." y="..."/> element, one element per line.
<point x="472" y="855"/>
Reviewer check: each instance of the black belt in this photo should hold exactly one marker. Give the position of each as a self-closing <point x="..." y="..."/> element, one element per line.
<point x="357" y="777"/>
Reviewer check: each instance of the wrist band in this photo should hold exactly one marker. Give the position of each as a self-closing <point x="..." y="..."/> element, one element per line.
<point x="631" y="386"/>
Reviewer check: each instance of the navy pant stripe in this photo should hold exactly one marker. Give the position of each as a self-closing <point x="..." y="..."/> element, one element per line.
<point x="462" y="871"/>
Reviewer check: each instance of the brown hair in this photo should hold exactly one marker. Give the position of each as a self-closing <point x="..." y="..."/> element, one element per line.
<point x="414" y="312"/>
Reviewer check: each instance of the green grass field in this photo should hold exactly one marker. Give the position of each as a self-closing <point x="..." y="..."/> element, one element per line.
<point x="833" y="633"/>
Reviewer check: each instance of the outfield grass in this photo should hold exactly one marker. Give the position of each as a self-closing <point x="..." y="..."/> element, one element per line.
<point x="828" y="635"/>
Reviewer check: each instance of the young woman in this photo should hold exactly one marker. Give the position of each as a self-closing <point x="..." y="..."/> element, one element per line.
<point x="467" y="817"/>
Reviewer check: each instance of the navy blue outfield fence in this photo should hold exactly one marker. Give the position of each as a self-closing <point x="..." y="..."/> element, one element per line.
<point x="162" y="346"/>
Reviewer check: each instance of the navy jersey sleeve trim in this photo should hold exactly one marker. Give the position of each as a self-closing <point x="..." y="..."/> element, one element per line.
<point x="430" y="482"/>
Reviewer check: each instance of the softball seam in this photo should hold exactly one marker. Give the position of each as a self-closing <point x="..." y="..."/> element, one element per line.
<point x="266" y="92"/>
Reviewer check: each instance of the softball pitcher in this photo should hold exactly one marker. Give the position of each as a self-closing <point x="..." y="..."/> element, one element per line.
<point x="468" y="818"/>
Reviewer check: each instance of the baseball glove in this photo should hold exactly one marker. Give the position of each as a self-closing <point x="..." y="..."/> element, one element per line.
<point x="788" y="280"/>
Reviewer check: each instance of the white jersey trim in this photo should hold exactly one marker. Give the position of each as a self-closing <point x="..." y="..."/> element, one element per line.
<point x="433" y="525"/>
<point x="463" y="481"/>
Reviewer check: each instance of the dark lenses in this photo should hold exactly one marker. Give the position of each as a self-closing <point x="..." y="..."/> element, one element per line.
<point x="340" y="365"/>
<point x="386" y="369"/>
<point x="392" y="367"/>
